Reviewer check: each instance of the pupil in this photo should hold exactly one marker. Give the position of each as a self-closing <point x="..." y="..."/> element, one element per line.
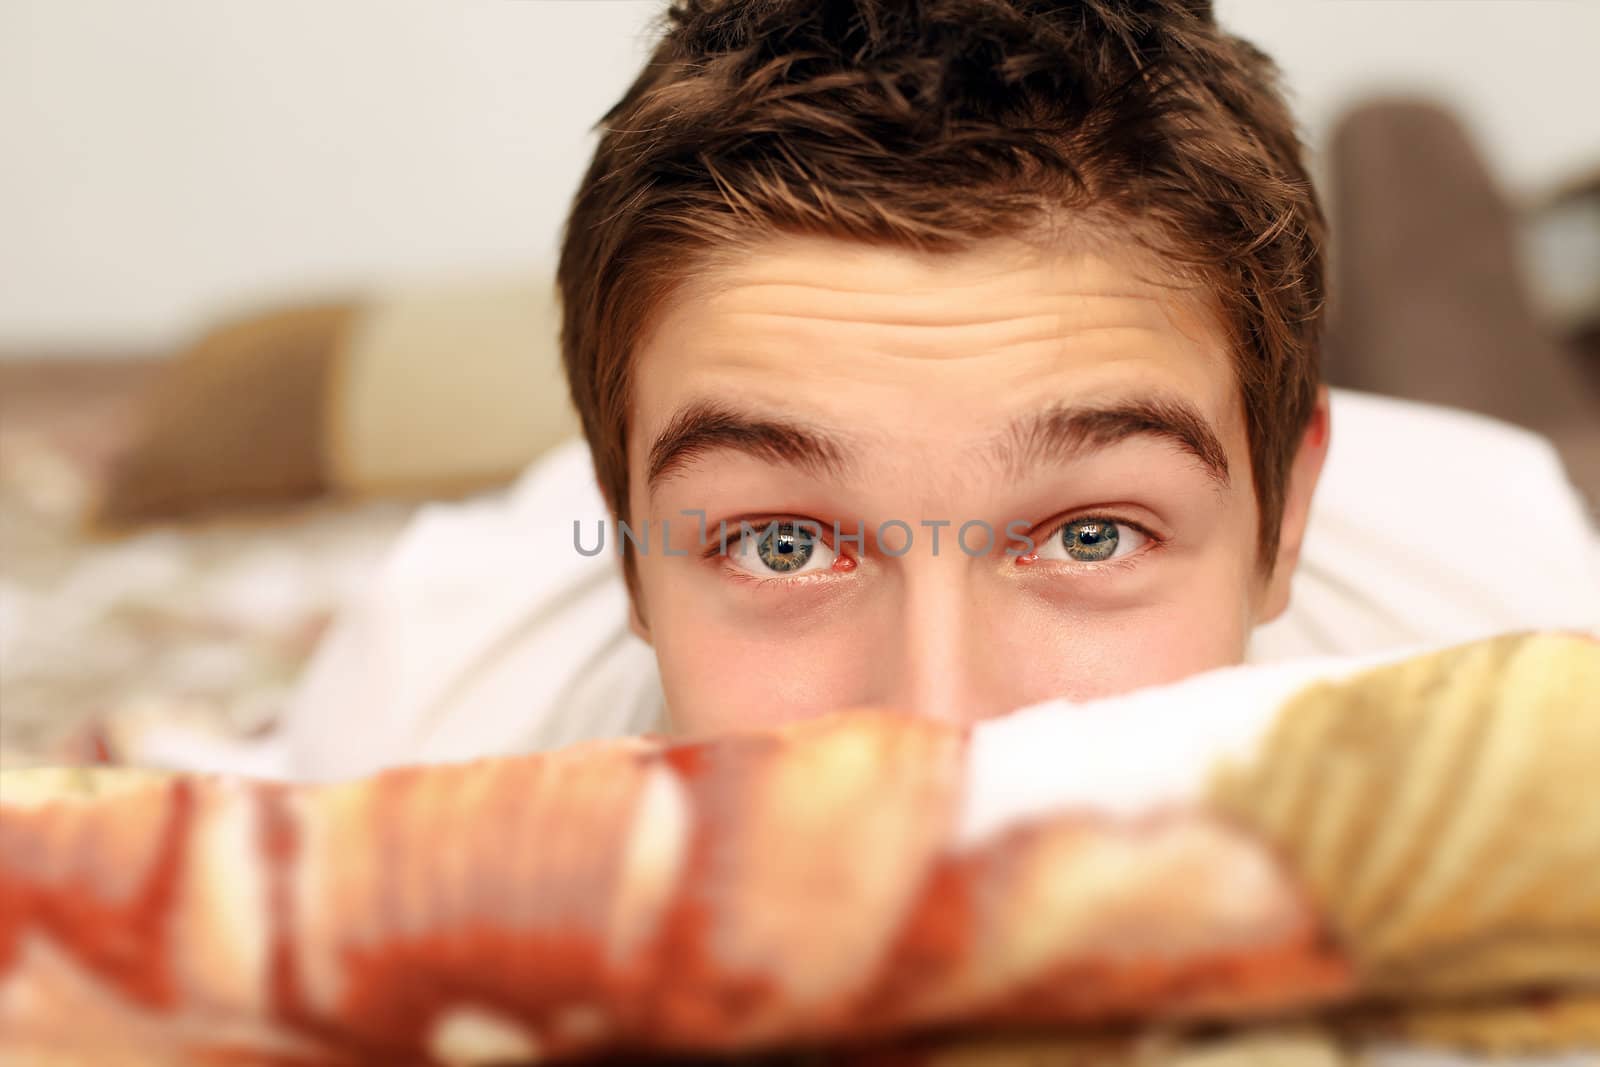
<point x="786" y="548"/>
<point x="1090" y="541"/>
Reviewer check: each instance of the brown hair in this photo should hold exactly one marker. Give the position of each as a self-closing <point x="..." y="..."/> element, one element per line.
<point x="933" y="124"/>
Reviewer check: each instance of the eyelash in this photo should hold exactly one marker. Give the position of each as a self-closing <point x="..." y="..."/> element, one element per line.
<point x="1155" y="542"/>
<point x="715" y="546"/>
<point x="714" y="551"/>
<point x="717" y="552"/>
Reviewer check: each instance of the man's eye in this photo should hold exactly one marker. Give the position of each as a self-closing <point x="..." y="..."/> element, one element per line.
<point x="781" y="548"/>
<point x="1092" y="540"/>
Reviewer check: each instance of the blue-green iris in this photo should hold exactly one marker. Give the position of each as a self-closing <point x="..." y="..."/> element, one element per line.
<point x="1090" y="540"/>
<point x="786" y="547"/>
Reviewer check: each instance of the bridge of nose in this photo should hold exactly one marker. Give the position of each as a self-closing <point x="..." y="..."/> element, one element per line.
<point x="940" y="660"/>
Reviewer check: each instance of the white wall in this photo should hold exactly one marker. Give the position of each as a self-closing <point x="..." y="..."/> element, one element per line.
<point x="1524" y="74"/>
<point x="163" y="160"/>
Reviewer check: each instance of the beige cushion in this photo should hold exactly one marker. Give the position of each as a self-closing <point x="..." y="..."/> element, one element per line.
<point x="232" y="421"/>
<point x="423" y="392"/>
<point x="447" y="390"/>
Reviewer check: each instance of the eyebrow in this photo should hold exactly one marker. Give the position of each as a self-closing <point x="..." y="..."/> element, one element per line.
<point x="705" y="426"/>
<point x="1066" y="430"/>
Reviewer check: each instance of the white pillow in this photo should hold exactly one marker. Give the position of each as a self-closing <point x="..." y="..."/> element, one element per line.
<point x="1434" y="526"/>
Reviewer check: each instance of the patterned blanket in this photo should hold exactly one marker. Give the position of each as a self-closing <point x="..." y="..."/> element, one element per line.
<point x="205" y="625"/>
<point x="1267" y="865"/>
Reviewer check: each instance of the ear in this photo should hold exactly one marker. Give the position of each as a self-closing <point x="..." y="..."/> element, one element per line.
<point x="630" y="582"/>
<point x="636" y="621"/>
<point x="1303" y="476"/>
<point x="630" y="569"/>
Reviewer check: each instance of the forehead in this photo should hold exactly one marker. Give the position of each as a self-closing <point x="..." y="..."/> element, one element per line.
<point x="890" y="347"/>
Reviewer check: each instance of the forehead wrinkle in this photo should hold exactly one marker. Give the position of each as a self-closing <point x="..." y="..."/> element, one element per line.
<point x="1069" y="430"/>
<point x="945" y="312"/>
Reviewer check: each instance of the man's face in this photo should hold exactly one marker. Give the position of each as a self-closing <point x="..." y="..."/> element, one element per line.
<point x="1082" y="422"/>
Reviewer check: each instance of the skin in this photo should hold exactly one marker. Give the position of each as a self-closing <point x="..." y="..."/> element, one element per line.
<point x="926" y="378"/>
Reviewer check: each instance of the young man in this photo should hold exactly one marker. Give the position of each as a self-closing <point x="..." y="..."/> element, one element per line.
<point x="1022" y="297"/>
<point x="947" y="355"/>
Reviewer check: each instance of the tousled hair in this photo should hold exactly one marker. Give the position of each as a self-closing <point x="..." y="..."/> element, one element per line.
<point x="933" y="125"/>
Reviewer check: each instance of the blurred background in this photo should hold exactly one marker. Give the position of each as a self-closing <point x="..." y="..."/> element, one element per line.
<point x="170" y="160"/>
<point x="273" y="273"/>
